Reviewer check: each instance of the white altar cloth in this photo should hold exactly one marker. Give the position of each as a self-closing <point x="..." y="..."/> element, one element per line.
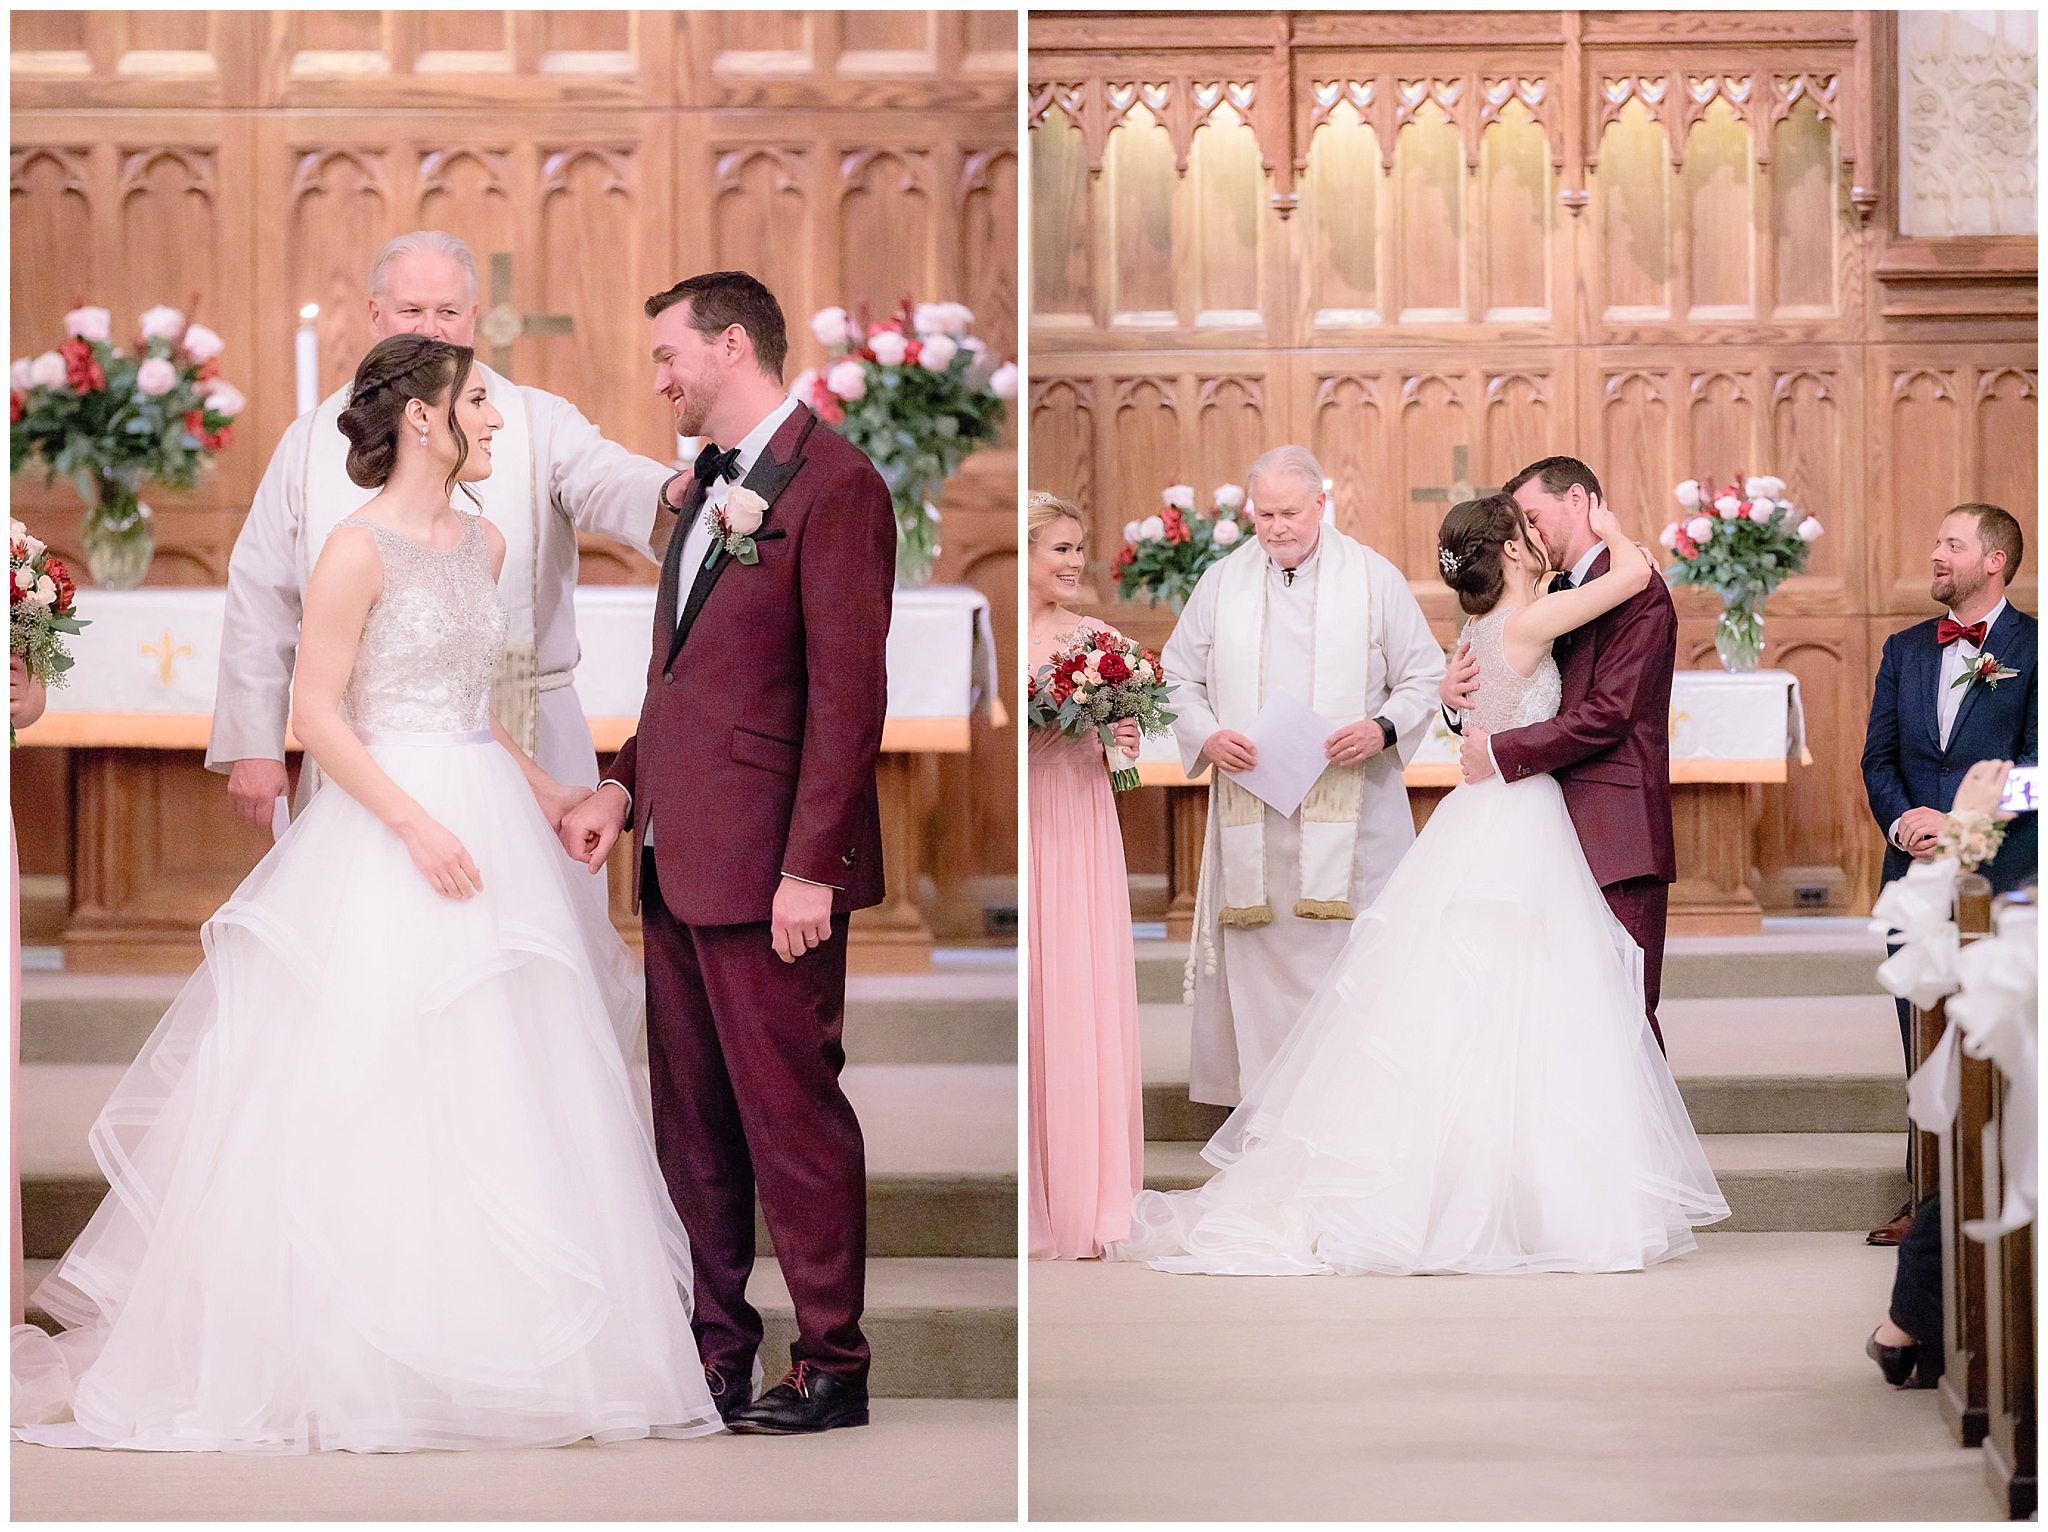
<point x="148" y="659"/>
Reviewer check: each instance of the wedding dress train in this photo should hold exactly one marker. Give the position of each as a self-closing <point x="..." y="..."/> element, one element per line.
<point x="1474" y="1086"/>
<point x="378" y="1179"/>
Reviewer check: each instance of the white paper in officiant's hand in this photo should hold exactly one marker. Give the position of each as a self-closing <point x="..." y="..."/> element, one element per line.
<point x="280" y="817"/>
<point x="1289" y="736"/>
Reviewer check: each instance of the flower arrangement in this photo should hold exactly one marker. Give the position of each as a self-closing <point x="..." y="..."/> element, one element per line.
<point x="1163" y="555"/>
<point x="916" y="393"/>
<point x="1099" y="679"/>
<point x="110" y="417"/>
<point x="1971" y="837"/>
<point x="1740" y="544"/>
<point x="42" y="607"/>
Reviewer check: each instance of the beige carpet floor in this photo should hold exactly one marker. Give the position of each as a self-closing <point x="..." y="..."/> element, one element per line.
<point x="921" y="1460"/>
<point x="1729" y="1385"/>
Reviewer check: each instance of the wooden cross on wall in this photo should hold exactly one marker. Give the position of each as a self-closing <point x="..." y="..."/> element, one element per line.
<point x="503" y="324"/>
<point x="1460" y="489"/>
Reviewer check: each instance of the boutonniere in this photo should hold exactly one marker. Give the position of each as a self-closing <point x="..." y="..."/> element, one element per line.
<point x="1986" y="667"/>
<point x="734" y="524"/>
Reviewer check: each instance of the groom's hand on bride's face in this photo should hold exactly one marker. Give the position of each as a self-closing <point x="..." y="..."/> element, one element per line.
<point x="588" y="830"/>
<point x="1473" y="756"/>
<point x="1460" y="685"/>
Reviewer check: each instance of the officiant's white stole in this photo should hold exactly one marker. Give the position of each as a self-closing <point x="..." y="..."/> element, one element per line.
<point x="509" y="497"/>
<point x="1339" y="661"/>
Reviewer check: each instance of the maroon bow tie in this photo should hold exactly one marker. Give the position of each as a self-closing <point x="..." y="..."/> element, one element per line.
<point x="1948" y="630"/>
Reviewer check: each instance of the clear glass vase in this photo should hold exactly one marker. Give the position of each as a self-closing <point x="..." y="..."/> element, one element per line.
<point x="917" y="537"/>
<point x="119" y="534"/>
<point x="1739" y="635"/>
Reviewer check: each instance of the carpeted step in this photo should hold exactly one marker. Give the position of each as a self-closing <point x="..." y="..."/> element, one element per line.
<point x="1716" y="1104"/>
<point x="939" y="1328"/>
<point x="1816" y="1182"/>
<point x="968" y="1017"/>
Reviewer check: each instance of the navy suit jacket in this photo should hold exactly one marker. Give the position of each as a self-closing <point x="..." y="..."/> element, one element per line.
<point x="1904" y="765"/>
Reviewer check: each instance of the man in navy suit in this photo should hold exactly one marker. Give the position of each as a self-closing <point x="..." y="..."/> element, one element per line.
<point x="1931" y="719"/>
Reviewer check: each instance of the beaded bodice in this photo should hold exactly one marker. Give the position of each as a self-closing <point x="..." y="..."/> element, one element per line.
<point x="432" y="641"/>
<point x="1507" y="700"/>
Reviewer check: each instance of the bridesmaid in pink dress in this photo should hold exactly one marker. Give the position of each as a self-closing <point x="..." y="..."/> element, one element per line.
<point x="1087" y="1120"/>
<point x="25" y="701"/>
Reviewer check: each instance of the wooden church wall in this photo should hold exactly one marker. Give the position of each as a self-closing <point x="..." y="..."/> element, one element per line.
<point x="1664" y="242"/>
<point x="242" y="163"/>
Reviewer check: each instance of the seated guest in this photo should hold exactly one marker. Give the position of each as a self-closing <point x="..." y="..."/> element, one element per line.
<point x="1951" y="692"/>
<point x="1908" y="1345"/>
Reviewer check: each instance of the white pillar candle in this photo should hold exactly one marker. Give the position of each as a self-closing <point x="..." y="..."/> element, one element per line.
<point x="308" y="358"/>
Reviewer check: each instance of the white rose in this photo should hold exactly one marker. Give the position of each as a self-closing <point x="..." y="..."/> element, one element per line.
<point x="847" y="379"/>
<point x="975" y="345"/>
<point x="47" y="370"/>
<point x="1229" y="495"/>
<point x="1143" y="670"/>
<point x="89" y="324"/>
<point x="829" y="325"/>
<point x="889" y="347"/>
<point x="938" y="353"/>
<point x="161" y="323"/>
<point x="1808" y="530"/>
<point x="202" y="345"/>
<point x="1700" y="528"/>
<point x="1688" y="493"/>
<point x="24" y="578"/>
<point x="1668" y="538"/>
<point x="1003" y="381"/>
<point x="1151" y="529"/>
<point x="1132" y="532"/>
<point x="956" y="318"/>
<point x="1226" y="532"/>
<point x="1727" y="505"/>
<point x="1760" y="507"/>
<point x="156" y="376"/>
<point x="929" y="319"/>
<point x="1181" y="497"/>
<point x="21" y="375"/>
<point x="1773" y="489"/>
<point x="805" y="386"/>
<point x="744" y="510"/>
<point x="225" y="399"/>
<point x="45" y="592"/>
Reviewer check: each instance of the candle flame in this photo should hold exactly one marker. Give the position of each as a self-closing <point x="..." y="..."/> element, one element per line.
<point x="310" y="311"/>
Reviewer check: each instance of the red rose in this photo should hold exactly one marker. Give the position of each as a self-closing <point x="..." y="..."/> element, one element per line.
<point x="67" y="592"/>
<point x="1125" y="557"/>
<point x="195" y="422"/>
<point x="911" y="353"/>
<point x="81" y="368"/>
<point x="214" y="441"/>
<point x="1113" y="669"/>
<point x="1176" y="528"/>
<point x="13" y="406"/>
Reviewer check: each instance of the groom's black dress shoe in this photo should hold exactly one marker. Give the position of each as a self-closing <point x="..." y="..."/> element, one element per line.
<point x="1897" y="1363"/>
<point x="805" y="1401"/>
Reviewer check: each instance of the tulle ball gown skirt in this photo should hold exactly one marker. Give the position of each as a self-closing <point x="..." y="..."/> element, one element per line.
<point x="378" y="1178"/>
<point x="1473" y="1088"/>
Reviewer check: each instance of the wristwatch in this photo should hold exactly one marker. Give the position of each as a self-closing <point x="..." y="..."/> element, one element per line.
<point x="1386" y="732"/>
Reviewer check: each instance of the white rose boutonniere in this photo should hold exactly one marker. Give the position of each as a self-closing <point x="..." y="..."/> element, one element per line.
<point x="1986" y="668"/>
<point x="734" y="524"/>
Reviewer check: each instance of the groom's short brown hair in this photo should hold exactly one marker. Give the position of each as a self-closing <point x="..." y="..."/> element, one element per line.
<point x="1557" y="475"/>
<point x="720" y="299"/>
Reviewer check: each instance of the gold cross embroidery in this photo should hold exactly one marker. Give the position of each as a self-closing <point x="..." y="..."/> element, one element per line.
<point x="1677" y="718"/>
<point x="167" y="657"/>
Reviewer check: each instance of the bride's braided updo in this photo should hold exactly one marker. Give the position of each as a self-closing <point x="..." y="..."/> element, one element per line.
<point x="399" y="369"/>
<point x="1468" y="549"/>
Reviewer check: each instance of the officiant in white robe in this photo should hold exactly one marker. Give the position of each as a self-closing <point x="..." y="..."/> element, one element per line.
<point x="554" y="475"/>
<point x="1307" y="611"/>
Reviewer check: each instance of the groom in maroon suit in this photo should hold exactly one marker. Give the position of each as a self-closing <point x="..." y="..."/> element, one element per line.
<point x="750" y="788"/>
<point x="1609" y="745"/>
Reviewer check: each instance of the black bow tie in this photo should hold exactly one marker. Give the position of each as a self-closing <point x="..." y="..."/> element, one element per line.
<point x="1562" y="580"/>
<point x="713" y="465"/>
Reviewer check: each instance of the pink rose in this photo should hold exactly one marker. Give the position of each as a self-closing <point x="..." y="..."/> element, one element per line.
<point x="847" y="379"/>
<point x="89" y="324"/>
<point x="156" y="376"/>
<point x="1003" y="381"/>
<point x="202" y="345"/>
<point x="1700" y="529"/>
<point x="889" y="347"/>
<point x="161" y="323"/>
<point x="939" y="351"/>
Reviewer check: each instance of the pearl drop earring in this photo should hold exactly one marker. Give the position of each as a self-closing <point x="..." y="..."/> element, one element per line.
<point x="423" y="436"/>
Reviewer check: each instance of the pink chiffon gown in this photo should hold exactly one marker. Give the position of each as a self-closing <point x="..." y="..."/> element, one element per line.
<point x="1087" y="1119"/>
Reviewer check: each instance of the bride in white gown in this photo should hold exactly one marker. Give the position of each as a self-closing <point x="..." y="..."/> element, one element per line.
<point x="1474" y="1086"/>
<point x="378" y="1179"/>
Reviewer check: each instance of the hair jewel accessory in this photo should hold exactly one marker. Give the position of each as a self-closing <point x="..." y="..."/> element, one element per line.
<point x="1448" y="559"/>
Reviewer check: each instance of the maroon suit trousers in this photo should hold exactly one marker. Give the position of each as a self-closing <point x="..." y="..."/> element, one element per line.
<point x="1640" y="904"/>
<point x="744" y="1055"/>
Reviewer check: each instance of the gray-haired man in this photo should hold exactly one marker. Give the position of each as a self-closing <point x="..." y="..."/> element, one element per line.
<point x="556" y="475"/>
<point x="1307" y="611"/>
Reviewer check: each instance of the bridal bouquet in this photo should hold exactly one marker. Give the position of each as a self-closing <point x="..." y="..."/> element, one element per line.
<point x="110" y="417"/>
<point x="916" y="393"/>
<point x="1741" y="544"/>
<point x="1164" y="554"/>
<point x="1099" y="679"/>
<point x="42" y="607"/>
